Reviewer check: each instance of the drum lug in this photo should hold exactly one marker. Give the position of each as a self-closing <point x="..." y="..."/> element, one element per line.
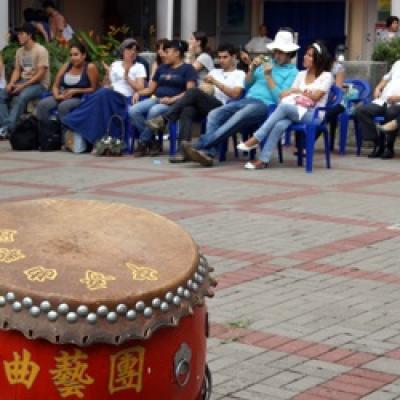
<point x="207" y="327"/>
<point x="182" y="365"/>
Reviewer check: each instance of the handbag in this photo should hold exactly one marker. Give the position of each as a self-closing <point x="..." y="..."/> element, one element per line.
<point x="25" y="135"/>
<point x="49" y="135"/>
<point x="304" y="101"/>
<point x="109" y="145"/>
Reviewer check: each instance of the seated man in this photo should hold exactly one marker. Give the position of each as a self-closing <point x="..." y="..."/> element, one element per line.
<point x="30" y="78"/>
<point x="264" y="86"/>
<point x="386" y="104"/>
<point x="225" y="83"/>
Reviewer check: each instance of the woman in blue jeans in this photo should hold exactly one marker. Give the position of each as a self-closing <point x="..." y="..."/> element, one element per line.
<point x="309" y="90"/>
<point x="167" y="86"/>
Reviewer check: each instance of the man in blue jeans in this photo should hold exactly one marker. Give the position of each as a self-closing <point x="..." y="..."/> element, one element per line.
<point x="264" y="84"/>
<point x="30" y="78"/>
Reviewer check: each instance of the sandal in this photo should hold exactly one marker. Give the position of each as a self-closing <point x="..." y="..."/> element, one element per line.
<point x="252" y="165"/>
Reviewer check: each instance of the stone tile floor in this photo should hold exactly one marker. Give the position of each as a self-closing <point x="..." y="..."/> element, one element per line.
<point x="307" y="306"/>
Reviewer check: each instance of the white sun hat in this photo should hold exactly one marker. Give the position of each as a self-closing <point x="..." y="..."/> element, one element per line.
<point x="283" y="41"/>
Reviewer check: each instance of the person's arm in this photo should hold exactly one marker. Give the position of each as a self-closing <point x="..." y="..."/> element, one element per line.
<point x="154" y="67"/>
<point x="93" y="75"/>
<point x="286" y="87"/>
<point x="136" y="82"/>
<point x="323" y="85"/>
<point x="174" y="99"/>
<point x="232" y="92"/>
<point x="145" y="91"/>
<point x="39" y="27"/>
<point x="339" y="79"/>
<point x="252" y="68"/>
<point x="15" y="76"/>
<point x="379" y="88"/>
<point x="57" y="81"/>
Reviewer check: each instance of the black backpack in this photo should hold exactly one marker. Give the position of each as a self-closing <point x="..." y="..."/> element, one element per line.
<point x="50" y="135"/>
<point x="25" y="135"/>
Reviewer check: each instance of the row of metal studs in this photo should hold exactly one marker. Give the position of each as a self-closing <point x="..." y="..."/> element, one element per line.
<point x="103" y="311"/>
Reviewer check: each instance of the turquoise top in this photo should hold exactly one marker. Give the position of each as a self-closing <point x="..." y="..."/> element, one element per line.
<point x="283" y="76"/>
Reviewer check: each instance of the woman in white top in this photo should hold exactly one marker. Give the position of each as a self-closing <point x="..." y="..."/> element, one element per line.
<point x="309" y="90"/>
<point x="199" y="58"/>
<point x="126" y="75"/>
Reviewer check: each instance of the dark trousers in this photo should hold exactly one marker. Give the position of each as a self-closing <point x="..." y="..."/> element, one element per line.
<point x="193" y="106"/>
<point x="365" y="117"/>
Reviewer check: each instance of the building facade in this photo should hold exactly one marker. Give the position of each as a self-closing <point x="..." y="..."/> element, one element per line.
<point x="353" y="22"/>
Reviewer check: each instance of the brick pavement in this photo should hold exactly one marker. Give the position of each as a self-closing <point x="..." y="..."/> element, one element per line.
<point x="307" y="306"/>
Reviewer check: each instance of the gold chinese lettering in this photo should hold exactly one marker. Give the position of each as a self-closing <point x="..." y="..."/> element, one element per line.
<point x="21" y="370"/>
<point x="96" y="280"/>
<point x="70" y="375"/>
<point x="9" y="256"/>
<point x="143" y="273"/>
<point x="127" y="370"/>
<point x="40" y="274"/>
<point x="7" y="236"/>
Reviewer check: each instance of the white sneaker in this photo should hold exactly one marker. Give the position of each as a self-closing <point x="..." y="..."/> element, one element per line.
<point x="243" y="147"/>
<point x="3" y="132"/>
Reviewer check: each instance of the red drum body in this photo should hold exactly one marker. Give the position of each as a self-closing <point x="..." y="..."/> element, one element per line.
<point x="100" y="301"/>
<point x="168" y="366"/>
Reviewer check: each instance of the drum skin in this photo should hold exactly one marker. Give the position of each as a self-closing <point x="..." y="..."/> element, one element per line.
<point x="139" y="369"/>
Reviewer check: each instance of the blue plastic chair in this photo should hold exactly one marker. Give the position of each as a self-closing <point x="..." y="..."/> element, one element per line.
<point x="310" y="130"/>
<point x="364" y="90"/>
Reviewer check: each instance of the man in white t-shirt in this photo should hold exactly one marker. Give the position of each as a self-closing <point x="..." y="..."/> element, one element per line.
<point x="227" y="83"/>
<point x="258" y="43"/>
<point x="386" y="103"/>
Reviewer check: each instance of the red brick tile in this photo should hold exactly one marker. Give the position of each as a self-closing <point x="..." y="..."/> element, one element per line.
<point x="332" y="394"/>
<point x="314" y="351"/>
<point x="347" y="388"/>
<point x="335" y="355"/>
<point x="254" y="337"/>
<point x="293" y="347"/>
<point x="273" y="342"/>
<point x="373" y="375"/>
<point x="356" y="360"/>
<point x="394" y="354"/>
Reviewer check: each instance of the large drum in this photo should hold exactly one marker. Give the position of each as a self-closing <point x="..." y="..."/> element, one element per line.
<point x="100" y="301"/>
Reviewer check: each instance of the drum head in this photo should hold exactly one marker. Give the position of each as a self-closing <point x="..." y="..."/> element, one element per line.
<point x="87" y="271"/>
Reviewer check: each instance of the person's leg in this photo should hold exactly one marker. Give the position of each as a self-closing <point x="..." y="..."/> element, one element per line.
<point x="44" y="108"/>
<point x="247" y="114"/>
<point x="4" y="98"/>
<point x="365" y="119"/>
<point x="188" y="115"/>
<point x="146" y="135"/>
<point x="138" y="113"/>
<point x="391" y="114"/>
<point x="274" y="127"/>
<point x="67" y="106"/>
<point x="20" y="102"/>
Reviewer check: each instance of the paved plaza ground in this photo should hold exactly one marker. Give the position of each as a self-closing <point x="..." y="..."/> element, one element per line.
<point x="308" y="302"/>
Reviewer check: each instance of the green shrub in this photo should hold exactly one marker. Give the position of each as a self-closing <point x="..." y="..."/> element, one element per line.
<point x="387" y="51"/>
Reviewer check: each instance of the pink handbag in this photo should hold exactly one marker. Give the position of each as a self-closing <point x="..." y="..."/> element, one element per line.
<point x="304" y="101"/>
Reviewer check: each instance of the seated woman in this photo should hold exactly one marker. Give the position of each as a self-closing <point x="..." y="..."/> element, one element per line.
<point x="309" y="90"/>
<point x="73" y="80"/>
<point x="198" y="56"/>
<point x="126" y="77"/>
<point x="168" y="85"/>
<point x="160" y="56"/>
